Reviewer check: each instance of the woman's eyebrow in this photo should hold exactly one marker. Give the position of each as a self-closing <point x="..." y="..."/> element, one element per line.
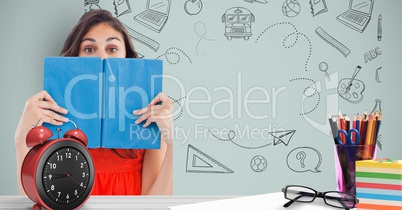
<point x="88" y="39"/>
<point x="111" y="38"/>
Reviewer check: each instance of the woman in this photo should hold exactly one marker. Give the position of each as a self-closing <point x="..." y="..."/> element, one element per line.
<point x="119" y="171"/>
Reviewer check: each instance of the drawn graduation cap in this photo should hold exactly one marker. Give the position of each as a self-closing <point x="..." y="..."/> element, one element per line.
<point x="282" y="136"/>
<point x="199" y="162"/>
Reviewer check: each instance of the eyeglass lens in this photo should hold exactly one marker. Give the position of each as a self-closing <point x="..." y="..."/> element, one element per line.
<point x="300" y="194"/>
<point x="332" y="198"/>
<point x="340" y="200"/>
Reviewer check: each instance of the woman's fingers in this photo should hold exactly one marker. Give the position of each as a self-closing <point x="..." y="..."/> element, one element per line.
<point x="155" y="118"/>
<point x="44" y="95"/>
<point x="45" y="109"/>
<point x="160" y="98"/>
<point x="50" y="120"/>
<point x="52" y="115"/>
<point x="149" y="111"/>
<point x="140" y="111"/>
<point x="159" y="110"/>
<point x="52" y="106"/>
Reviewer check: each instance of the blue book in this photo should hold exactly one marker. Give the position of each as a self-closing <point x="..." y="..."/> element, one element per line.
<point x="101" y="95"/>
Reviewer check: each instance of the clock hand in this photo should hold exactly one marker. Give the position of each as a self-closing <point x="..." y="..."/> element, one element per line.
<point x="69" y="175"/>
<point x="57" y="176"/>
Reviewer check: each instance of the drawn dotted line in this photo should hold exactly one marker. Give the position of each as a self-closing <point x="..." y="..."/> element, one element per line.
<point x="273" y="25"/>
<point x="284" y="40"/>
<point x="297" y="33"/>
<point x="304" y="92"/>
<point x="173" y="53"/>
<point x="303" y="78"/>
<point x="202" y="37"/>
<point x="309" y="52"/>
<point x="297" y="38"/>
<point x="308" y="96"/>
<point x="315" y="107"/>
<point x="205" y="31"/>
<point x="231" y="140"/>
<point x="181" y="107"/>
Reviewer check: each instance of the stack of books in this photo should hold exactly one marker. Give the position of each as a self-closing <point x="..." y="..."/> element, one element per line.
<point x="379" y="184"/>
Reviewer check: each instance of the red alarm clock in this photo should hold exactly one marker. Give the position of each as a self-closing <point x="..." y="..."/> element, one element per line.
<point x="57" y="173"/>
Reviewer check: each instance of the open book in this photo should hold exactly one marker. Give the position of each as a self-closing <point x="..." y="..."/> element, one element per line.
<point x="101" y="95"/>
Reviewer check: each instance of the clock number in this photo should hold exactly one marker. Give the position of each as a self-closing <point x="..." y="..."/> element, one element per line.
<point x="59" y="158"/>
<point x="67" y="196"/>
<point x="76" y="158"/>
<point x="52" y="187"/>
<point x="58" y="194"/>
<point x="50" y="177"/>
<point x="76" y="192"/>
<point x="82" y="165"/>
<point x="52" y="165"/>
<point x="83" y="174"/>
<point x="68" y="155"/>
<point x="82" y="184"/>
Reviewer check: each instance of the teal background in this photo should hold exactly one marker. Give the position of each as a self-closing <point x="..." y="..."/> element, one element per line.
<point x="31" y="30"/>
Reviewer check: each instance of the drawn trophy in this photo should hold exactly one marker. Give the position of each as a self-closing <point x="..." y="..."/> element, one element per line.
<point x="351" y="89"/>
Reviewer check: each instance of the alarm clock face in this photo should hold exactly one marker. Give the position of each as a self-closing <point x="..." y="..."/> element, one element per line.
<point x="66" y="175"/>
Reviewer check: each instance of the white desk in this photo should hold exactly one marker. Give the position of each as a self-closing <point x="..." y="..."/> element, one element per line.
<point x="265" y="201"/>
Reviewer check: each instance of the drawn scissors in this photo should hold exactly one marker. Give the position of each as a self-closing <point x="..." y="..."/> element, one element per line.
<point x="349" y="136"/>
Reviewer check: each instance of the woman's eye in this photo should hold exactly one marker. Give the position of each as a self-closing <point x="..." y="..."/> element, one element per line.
<point x="89" y="50"/>
<point x="112" y="50"/>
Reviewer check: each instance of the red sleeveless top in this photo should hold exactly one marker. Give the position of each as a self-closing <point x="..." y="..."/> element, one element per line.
<point x="117" y="175"/>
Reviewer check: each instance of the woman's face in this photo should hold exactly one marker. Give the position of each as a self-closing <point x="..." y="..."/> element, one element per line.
<point x="102" y="41"/>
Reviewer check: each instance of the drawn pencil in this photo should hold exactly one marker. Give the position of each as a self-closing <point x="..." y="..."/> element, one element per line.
<point x="379" y="28"/>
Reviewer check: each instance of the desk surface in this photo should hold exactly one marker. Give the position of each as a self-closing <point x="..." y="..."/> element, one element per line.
<point x="117" y="202"/>
<point x="256" y="202"/>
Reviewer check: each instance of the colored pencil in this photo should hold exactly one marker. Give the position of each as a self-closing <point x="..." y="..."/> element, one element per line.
<point x="363" y="131"/>
<point x="347" y="123"/>
<point x="370" y="127"/>
<point x="355" y="125"/>
<point x="341" y="126"/>
<point x="334" y="127"/>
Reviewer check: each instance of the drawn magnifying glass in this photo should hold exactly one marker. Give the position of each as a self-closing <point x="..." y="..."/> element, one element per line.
<point x="323" y="66"/>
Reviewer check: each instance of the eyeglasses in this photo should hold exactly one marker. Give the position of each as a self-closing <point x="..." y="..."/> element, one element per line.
<point x="296" y="193"/>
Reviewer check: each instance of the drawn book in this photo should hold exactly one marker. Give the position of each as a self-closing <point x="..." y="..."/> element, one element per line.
<point x="101" y="95"/>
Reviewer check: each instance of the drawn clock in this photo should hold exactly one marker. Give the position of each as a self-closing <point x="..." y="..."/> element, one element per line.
<point x="57" y="173"/>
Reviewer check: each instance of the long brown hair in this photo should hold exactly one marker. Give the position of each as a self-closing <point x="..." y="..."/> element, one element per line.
<point x="89" y="20"/>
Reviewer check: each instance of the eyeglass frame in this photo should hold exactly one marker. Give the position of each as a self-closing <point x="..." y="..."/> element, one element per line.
<point x="318" y="194"/>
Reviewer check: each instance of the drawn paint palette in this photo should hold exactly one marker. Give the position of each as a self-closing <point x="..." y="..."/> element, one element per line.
<point x="355" y="94"/>
<point x="351" y="89"/>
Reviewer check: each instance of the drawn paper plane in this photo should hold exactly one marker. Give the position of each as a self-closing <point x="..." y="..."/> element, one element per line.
<point x="199" y="162"/>
<point x="282" y="136"/>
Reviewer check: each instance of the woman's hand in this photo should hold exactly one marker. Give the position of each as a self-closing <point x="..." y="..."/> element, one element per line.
<point x="39" y="108"/>
<point x="161" y="114"/>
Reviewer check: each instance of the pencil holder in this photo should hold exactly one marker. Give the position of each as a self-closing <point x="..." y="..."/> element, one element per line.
<point x="345" y="167"/>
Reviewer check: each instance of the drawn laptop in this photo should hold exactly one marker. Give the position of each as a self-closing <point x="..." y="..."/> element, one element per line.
<point x="155" y="15"/>
<point x="358" y="15"/>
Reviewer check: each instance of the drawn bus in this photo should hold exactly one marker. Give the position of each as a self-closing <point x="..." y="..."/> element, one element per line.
<point x="238" y="23"/>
